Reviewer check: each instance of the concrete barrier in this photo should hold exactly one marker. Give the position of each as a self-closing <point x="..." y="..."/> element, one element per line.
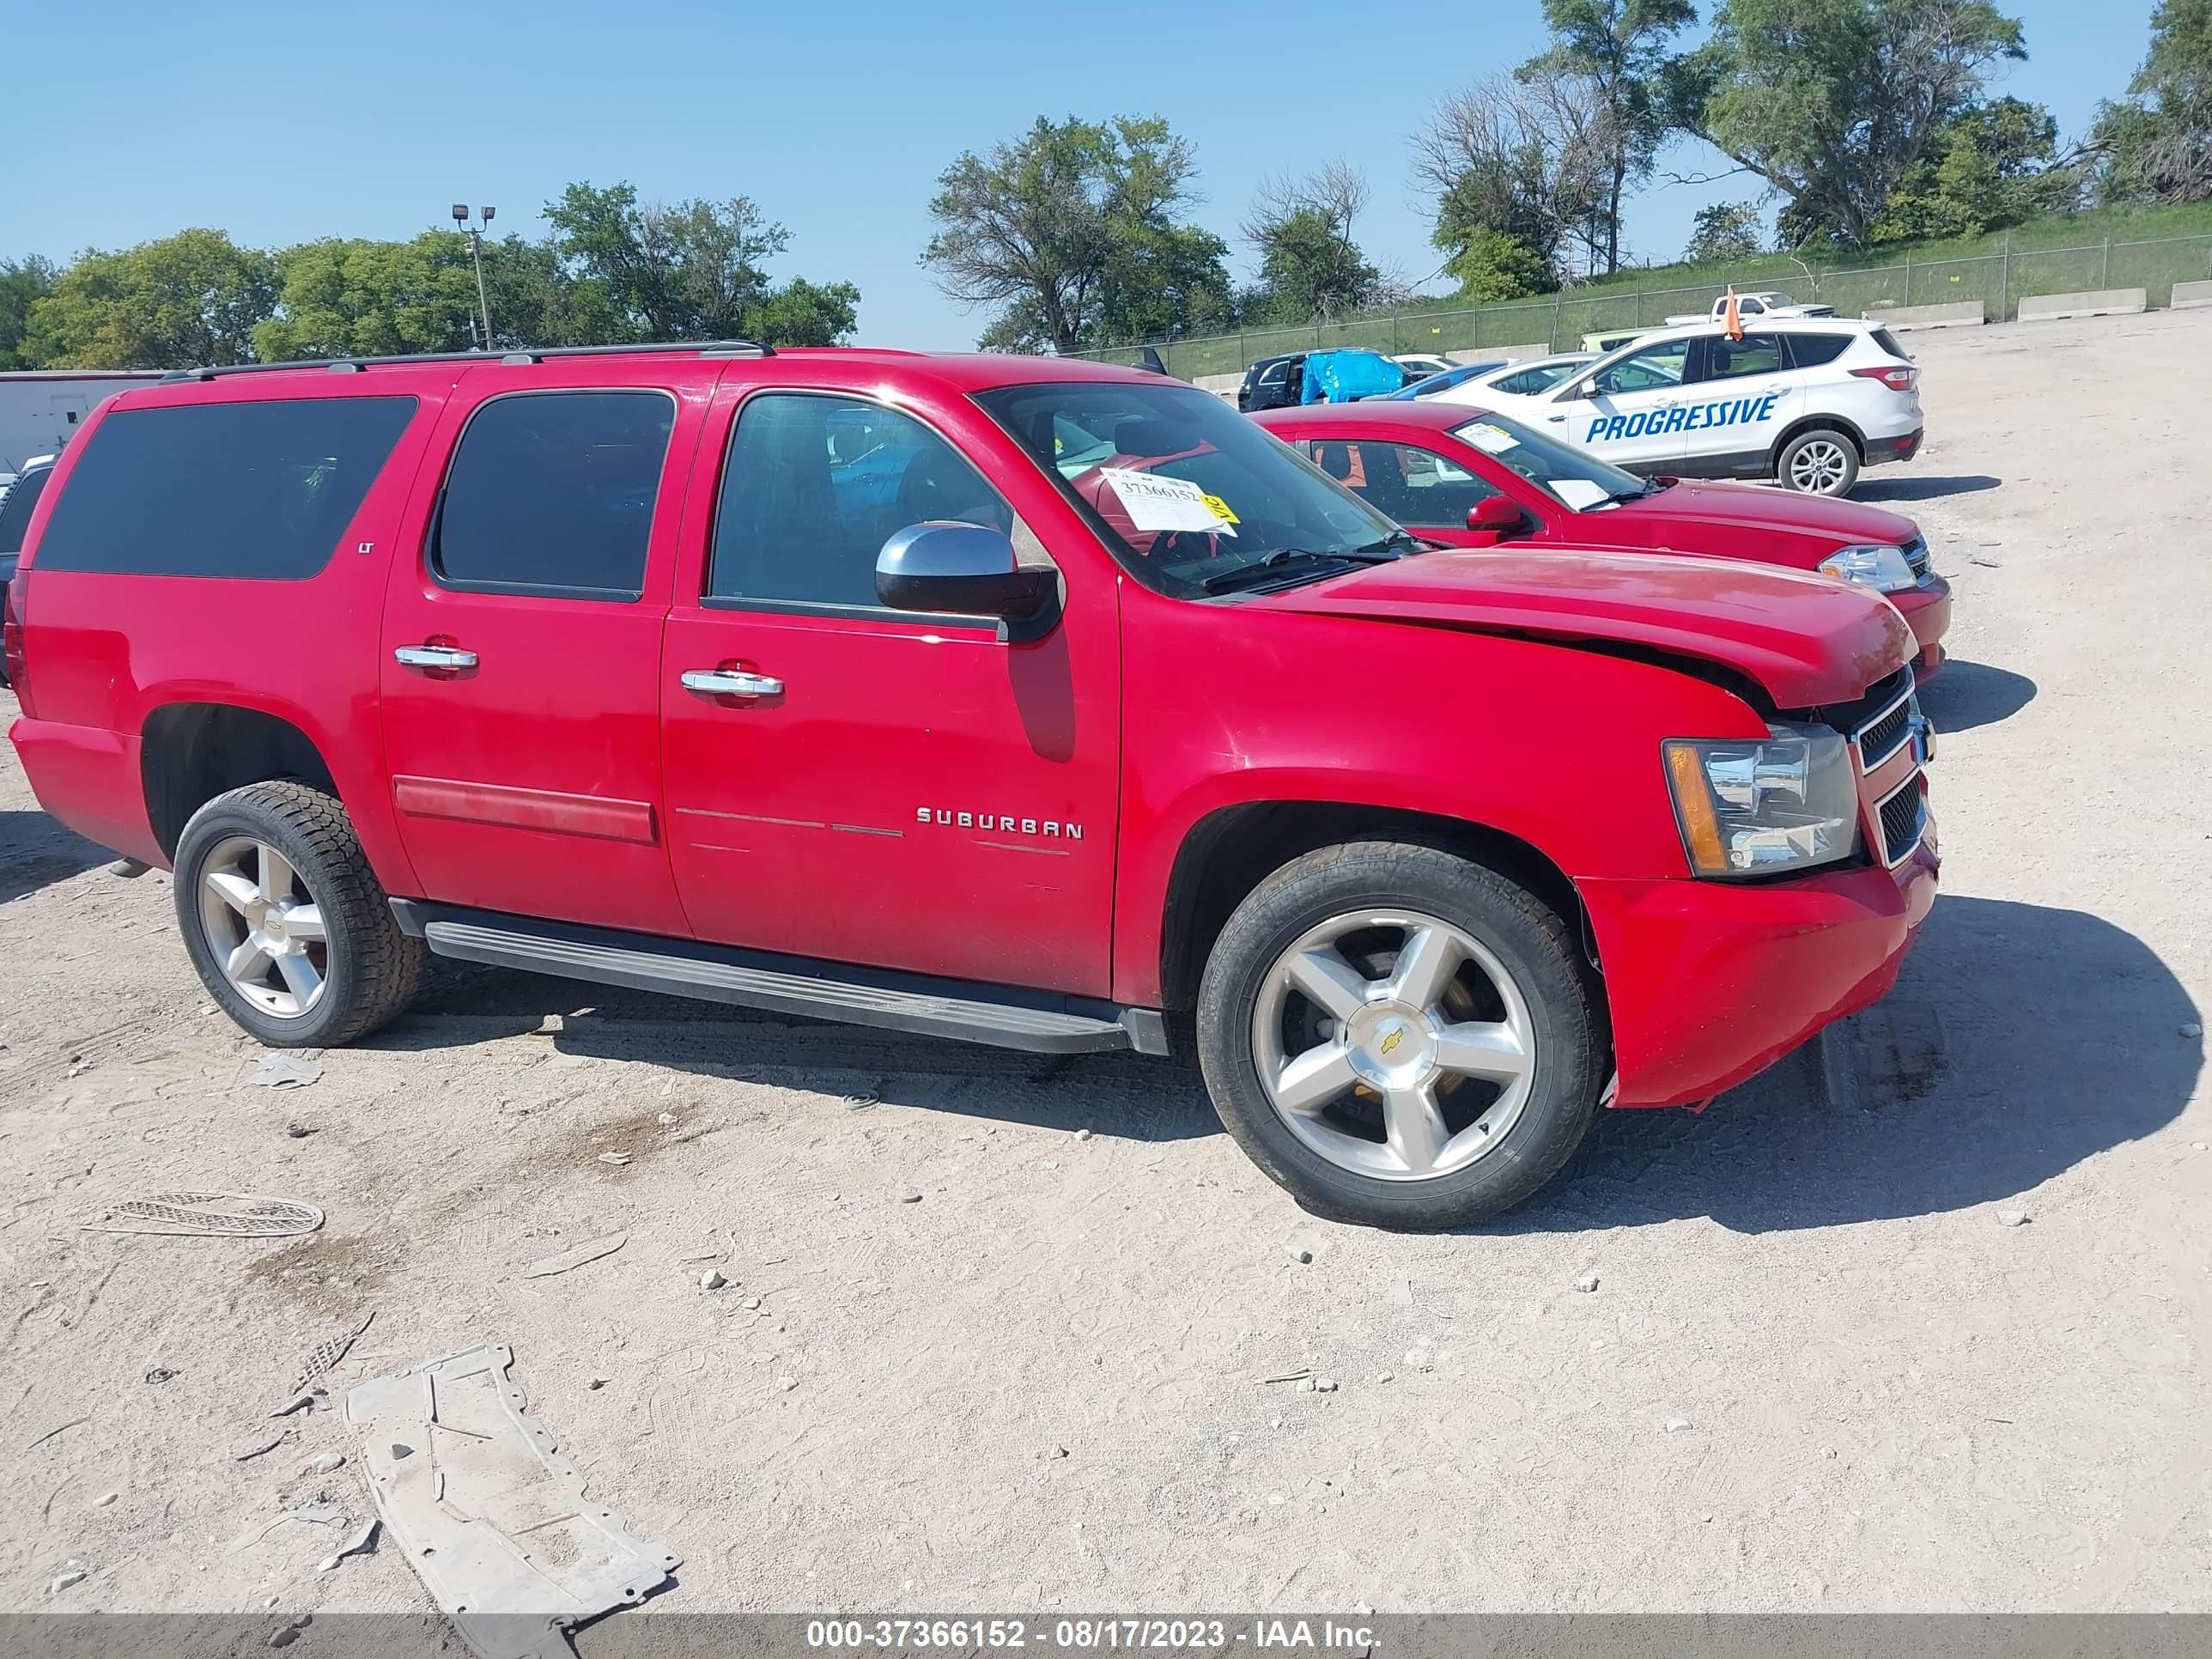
<point x="2186" y="294"/>
<point x="1221" y="385"/>
<point x="1512" y="354"/>
<point x="1966" y="313"/>
<point x="2095" y="302"/>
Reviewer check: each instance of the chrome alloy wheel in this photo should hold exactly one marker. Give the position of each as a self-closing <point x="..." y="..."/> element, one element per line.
<point x="1394" y="1045"/>
<point x="264" y="928"/>
<point x="1819" y="466"/>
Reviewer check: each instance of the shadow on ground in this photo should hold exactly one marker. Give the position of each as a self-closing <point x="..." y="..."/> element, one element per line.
<point x="1966" y="694"/>
<point x="1921" y="488"/>
<point x="2019" y="1041"/>
<point x="36" y="852"/>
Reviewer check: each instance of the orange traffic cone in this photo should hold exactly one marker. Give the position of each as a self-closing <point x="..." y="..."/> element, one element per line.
<point x="1732" y="319"/>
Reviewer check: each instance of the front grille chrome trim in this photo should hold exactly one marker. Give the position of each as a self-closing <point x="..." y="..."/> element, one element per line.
<point x="1919" y="822"/>
<point x="1904" y="699"/>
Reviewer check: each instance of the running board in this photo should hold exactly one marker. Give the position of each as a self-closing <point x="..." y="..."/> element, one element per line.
<point x="929" y="1013"/>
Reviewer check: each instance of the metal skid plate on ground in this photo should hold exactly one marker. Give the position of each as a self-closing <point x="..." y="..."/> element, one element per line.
<point x="488" y="1513"/>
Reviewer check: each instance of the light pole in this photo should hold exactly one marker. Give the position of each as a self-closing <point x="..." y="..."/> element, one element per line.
<point x="475" y="235"/>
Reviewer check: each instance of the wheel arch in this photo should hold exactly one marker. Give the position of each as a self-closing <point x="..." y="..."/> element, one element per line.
<point x="191" y="752"/>
<point x="1232" y="849"/>
<point x="1804" y="423"/>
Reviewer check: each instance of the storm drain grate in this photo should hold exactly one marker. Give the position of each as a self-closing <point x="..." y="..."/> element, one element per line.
<point x="233" y="1215"/>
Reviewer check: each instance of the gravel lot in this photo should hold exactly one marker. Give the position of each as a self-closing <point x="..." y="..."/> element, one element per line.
<point x="1820" y="1371"/>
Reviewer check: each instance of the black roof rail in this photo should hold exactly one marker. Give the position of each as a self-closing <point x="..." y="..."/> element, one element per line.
<point x="536" y="355"/>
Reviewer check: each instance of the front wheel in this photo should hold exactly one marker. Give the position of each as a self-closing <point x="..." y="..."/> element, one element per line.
<point x="1821" y="462"/>
<point x="1401" y="1037"/>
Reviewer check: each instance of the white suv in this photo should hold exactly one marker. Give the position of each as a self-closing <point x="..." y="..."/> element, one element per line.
<point x="1804" y="401"/>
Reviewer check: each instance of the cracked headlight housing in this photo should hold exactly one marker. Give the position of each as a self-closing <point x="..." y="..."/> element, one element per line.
<point x="1878" y="565"/>
<point x="1752" y="808"/>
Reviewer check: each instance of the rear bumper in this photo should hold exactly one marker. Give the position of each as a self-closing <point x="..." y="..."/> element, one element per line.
<point x="89" y="779"/>
<point x="1711" y="983"/>
<point x="1900" y="449"/>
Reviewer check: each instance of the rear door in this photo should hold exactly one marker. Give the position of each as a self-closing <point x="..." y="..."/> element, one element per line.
<point x="521" y="643"/>
<point x="894" y="790"/>
<point x="1628" y="410"/>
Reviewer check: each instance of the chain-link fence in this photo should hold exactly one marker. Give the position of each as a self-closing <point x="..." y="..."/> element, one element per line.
<point x="1560" y="320"/>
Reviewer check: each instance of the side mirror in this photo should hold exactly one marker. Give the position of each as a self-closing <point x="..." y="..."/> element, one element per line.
<point x="952" y="568"/>
<point x="1497" y="515"/>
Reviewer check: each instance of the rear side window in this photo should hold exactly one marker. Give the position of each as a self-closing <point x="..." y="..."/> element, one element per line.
<point x="552" y="492"/>
<point x="1887" y="341"/>
<point x="259" y="490"/>
<point x="1811" y="350"/>
<point x="1754" y="354"/>
<point x="16" y="512"/>
<point x="816" y="485"/>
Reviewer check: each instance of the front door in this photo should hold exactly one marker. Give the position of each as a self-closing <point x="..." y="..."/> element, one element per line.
<point x="884" y="789"/>
<point x="1626" y="411"/>
<point x="521" y="647"/>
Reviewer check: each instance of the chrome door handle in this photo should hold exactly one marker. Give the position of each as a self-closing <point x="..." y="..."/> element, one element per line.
<point x="434" y="656"/>
<point x="730" y="683"/>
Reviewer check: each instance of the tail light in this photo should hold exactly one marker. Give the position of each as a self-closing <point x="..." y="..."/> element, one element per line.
<point x="13" y="599"/>
<point x="1896" y="377"/>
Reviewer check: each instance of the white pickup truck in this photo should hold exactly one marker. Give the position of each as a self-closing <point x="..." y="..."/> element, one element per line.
<point x="1754" y="305"/>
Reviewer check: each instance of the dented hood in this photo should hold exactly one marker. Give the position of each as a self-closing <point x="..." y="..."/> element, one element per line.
<point x="1806" y="638"/>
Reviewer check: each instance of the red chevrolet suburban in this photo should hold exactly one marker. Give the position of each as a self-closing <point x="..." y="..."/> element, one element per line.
<point x="1034" y="703"/>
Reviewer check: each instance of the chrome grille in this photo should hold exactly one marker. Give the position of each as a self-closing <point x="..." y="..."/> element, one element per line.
<point x="1916" y="556"/>
<point x="1904" y="816"/>
<point x="1890" y="727"/>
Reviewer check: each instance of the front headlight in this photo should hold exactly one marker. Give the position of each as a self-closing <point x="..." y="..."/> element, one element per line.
<point x="1755" y="809"/>
<point x="1877" y="565"/>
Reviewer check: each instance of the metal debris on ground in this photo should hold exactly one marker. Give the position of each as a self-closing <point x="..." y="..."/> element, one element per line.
<point x="282" y="1069"/>
<point x="205" y="1215"/>
<point x="255" y="1449"/>
<point x="575" y="1255"/>
<point x="362" y="1541"/>
<point x="327" y="1354"/>
<point x="306" y="1398"/>
<point x="491" y="1517"/>
<point x="1289" y="1376"/>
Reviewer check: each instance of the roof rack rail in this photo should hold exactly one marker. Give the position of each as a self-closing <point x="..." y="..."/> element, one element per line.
<point x="535" y="355"/>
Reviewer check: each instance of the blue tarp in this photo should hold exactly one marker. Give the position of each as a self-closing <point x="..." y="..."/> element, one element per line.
<point x="1338" y="377"/>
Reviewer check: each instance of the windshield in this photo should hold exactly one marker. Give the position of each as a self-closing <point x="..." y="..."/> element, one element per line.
<point x="1188" y="491"/>
<point x="1573" y="478"/>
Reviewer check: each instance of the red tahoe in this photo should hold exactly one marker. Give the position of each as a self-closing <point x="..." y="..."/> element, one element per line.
<point x="1471" y="478"/>
<point x="1038" y="703"/>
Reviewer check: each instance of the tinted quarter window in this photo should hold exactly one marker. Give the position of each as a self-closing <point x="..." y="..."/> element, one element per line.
<point x="16" y="512"/>
<point x="261" y="490"/>
<point x="554" y="492"/>
<point x="1811" y="350"/>
<point x="813" y="488"/>
<point x="1886" y="340"/>
<point x="1754" y="354"/>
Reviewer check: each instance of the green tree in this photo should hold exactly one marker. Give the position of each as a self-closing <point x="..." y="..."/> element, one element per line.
<point x="1832" y="102"/>
<point x="2157" y="144"/>
<point x="1519" y="166"/>
<point x="184" y="301"/>
<point x="1489" y="264"/>
<point x="1619" y="48"/>
<point x="1993" y="166"/>
<point x="1073" y="234"/>
<point x="23" y="282"/>
<point x="339" y="297"/>
<point x="692" y="270"/>
<point x="1724" y="233"/>
<point x="1310" y="266"/>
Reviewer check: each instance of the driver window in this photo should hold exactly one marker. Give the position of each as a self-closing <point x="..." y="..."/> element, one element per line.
<point x="815" y="485"/>
<point x="1653" y="369"/>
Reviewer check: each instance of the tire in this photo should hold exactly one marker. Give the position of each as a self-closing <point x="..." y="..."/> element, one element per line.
<point x="1345" y="1159"/>
<point x="1819" y="461"/>
<point x="323" y="916"/>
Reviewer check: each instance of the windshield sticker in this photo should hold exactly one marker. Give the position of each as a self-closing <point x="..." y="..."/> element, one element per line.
<point x="1580" y="494"/>
<point x="1682" y="417"/>
<point x="1156" y="503"/>
<point x="1490" y="440"/>
<point x="1221" y="510"/>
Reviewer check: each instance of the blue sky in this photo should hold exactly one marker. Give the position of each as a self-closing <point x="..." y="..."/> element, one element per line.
<point x="279" y="123"/>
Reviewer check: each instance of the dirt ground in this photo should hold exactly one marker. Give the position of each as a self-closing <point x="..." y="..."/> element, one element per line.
<point x="1819" y="1371"/>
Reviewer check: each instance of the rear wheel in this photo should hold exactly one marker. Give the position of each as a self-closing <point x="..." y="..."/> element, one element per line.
<point x="1399" y="1036"/>
<point x="1820" y="462"/>
<point x="289" y="928"/>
